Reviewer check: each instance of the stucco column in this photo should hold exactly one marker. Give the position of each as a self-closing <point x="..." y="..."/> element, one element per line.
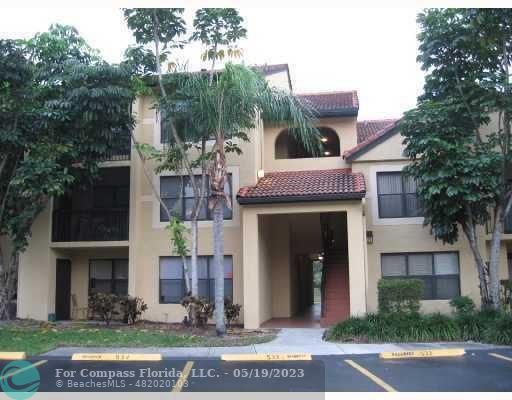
<point x="356" y="261"/>
<point x="251" y="268"/>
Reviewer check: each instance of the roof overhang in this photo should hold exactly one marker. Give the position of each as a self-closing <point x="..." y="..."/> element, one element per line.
<point x="340" y="112"/>
<point x="371" y="143"/>
<point x="301" y="198"/>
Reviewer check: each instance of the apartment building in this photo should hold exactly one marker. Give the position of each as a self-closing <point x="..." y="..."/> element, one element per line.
<point x="351" y="210"/>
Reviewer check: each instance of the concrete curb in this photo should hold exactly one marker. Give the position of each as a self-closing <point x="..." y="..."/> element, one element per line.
<point x="328" y="349"/>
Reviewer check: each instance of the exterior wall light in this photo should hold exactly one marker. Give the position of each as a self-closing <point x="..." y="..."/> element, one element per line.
<point x="369" y="237"/>
<point x="261" y="173"/>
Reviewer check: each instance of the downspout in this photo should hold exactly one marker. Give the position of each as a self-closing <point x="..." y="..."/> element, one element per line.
<point x="363" y="210"/>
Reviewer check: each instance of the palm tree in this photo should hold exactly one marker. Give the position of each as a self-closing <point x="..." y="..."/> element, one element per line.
<point x="228" y="104"/>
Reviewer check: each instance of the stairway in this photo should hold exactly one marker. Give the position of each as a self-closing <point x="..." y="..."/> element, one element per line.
<point x="335" y="289"/>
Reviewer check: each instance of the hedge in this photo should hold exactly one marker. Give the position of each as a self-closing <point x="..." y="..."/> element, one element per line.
<point x="399" y="295"/>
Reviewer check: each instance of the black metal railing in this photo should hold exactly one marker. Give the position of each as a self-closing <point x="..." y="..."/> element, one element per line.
<point x="121" y="149"/>
<point x="90" y="225"/>
<point x="507" y="226"/>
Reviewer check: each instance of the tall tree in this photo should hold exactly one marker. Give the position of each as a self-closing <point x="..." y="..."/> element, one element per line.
<point x="62" y="109"/>
<point x="163" y="29"/>
<point x="462" y="172"/>
<point x="228" y="103"/>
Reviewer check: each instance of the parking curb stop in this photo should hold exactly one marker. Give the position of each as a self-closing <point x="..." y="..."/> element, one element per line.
<point x="267" y="357"/>
<point x="425" y="353"/>
<point x="116" y="357"/>
<point x="13" y="355"/>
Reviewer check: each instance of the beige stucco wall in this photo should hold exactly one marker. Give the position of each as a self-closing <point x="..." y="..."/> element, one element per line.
<point x="408" y="234"/>
<point x="36" y="278"/>
<point x="390" y="149"/>
<point x="256" y="262"/>
<point x="260" y="239"/>
<point x="345" y="127"/>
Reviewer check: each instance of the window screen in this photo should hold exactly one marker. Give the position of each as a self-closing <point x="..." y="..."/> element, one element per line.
<point x="397" y="196"/>
<point x="439" y="272"/>
<point x="178" y="195"/>
<point x="109" y="276"/>
<point x="172" y="282"/>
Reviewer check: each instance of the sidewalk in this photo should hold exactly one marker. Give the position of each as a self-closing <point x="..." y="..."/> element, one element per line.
<point x="290" y="340"/>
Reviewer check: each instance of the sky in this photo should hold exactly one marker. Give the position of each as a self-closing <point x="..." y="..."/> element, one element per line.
<point x="371" y="50"/>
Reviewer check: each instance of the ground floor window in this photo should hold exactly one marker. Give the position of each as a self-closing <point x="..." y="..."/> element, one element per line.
<point x="172" y="282"/>
<point x="438" y="271"/>
<point x="108" y="276"/>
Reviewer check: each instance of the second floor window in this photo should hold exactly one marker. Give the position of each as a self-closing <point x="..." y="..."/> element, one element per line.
<point x="397" y="196"/>
<point x="178" y="195"/>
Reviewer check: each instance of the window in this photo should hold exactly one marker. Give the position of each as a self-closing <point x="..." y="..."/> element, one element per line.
<point x="178" y="196"/>
<point x="286" y="146"/>
<point x="397" y="196"/>
<point x="172" y="282"/>
<point x="108" y="276"/>
<point x="438" y="271"/>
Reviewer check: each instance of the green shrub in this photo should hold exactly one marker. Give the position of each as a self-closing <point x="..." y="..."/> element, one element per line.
<point x="463" y="305"/>
<point x="400" y="295"/>
<point x="470" y="326"/>
<point x="485" y="326"/>
<point x="353" y="329"/>
<point x="499" y="330"/>
<point x="441" y="328"/>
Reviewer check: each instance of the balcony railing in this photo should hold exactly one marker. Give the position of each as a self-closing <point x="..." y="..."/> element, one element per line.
<point x="90" y="225"/>
<point x="507" y="228"/>
<point x="120" y="151"/>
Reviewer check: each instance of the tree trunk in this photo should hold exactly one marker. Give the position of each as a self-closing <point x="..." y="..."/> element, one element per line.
<point x="470" y="232"/>
<point x="193" y="258"/>
<point x="494" y="258"/>
<point x="218" y="261"/>
<point x="8" y="284"/>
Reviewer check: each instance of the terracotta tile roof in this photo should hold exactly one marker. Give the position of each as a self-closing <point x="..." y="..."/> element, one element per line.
<point x="387" y="129"/>
<point x="332" y="103"/>
<point x="290" y="186"/>
<point x="368" y="128"/>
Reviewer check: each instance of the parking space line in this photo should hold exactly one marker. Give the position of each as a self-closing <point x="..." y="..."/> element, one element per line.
<point x="368" y="374"/>
<point x="184" y="375"/>
<point x="500" y="356"/>
<point x="9" y="375"/>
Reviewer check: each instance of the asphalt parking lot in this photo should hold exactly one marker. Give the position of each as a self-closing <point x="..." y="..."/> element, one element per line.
<point x="479" y="370"/>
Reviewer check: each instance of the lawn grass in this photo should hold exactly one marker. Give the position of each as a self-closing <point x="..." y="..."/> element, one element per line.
<point x="35" y="340"/>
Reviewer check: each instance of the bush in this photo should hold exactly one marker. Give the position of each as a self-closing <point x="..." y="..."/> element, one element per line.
<point x="400" y="295"/>
<point x="353" y="329"/>
<point x="104" y="305"/>
<point x="463" y="305"/>
<point x="499" y="330"/>
<point x="231" y="311"/>
<point x="199" y="310"/>
<point x="133" y="308"/>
